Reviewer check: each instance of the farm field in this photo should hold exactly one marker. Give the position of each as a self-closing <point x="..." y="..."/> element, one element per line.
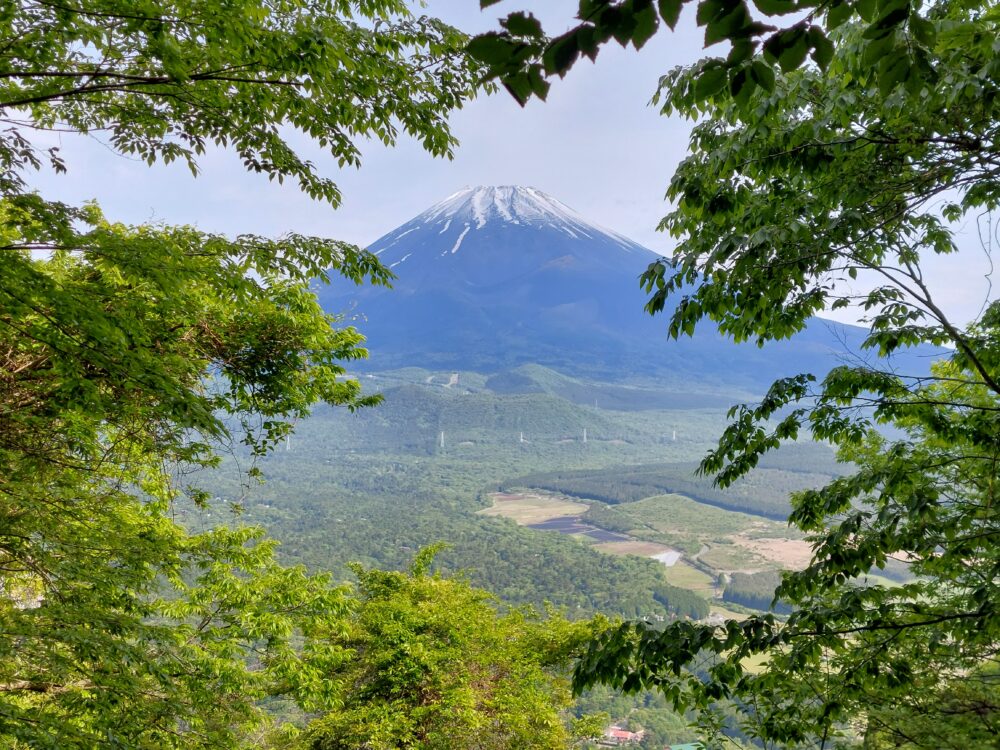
<point x="547" y="512"/>
<point x="788" y="554"/>
<point x="725" y="556"/>
<point x="724" y="540"/>
<point x="736" y="551"/>
<point x="677" y="514"/>
<point x="718" y="610"/>
<point x="529" y="508"/>
<point x="694" y="541"/>
<point x="687" y="577"/>
<point x="642" y="549"/>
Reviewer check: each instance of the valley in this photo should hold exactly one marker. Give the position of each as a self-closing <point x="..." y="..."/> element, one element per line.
<point x="536" y="422"/>
<point x="617" y="525"/>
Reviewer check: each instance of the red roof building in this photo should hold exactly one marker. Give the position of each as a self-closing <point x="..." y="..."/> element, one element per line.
<point x="620" y="736"/>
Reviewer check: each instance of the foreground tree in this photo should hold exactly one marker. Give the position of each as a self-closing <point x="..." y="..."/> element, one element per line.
<point x="429" y="663"/>
<point x="128" y="355"/>
<point x="814" y="179"/>
<point x="525" y="59"/>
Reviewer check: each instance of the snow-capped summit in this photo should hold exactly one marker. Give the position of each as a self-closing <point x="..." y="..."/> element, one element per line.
<point x="476" y="207"/>
<point x="489" y="210"/>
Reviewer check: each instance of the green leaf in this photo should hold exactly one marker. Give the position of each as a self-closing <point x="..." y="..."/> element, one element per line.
<point x="645" y="26"/>
<point x="670" y="11"/>
<point x="521" y="24"/>
<point x="776" y="7"/>
<point x="892" y="71"/>
<point x="762" y="75"/>
<point x="838" y="14"/>
<point x="792" y="57"/>
<point x="822" y="47"/>
<point x="788" y="47"/>
<point x="620" y="21"/>
<point x="711" y="80"/>
<point x="866" y="9"/>
<point x="726" y="26"/>
<point x="741" y="86"/>
<point x="922" y="30"/>
<point x="492" y="48"/>
<point x="891" y="14"/>
<point x="520" y="86"/>
<point x="588" y="9"/>
<point x="710" y="10"/>
<point x="560" y="54"/>
<point x="539" y="86"/>
<point x="876" y="50"/>
<point x="742" y="50"/>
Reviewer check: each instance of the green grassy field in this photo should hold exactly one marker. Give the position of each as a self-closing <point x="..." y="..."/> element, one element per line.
<point x="679" y="514"/>
<point x="683" y="575"/>
<point x="726" y="556"/>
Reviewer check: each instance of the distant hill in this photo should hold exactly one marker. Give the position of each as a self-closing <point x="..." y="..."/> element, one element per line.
<point x="535" y="378"/>
<point x="492" y="278"/>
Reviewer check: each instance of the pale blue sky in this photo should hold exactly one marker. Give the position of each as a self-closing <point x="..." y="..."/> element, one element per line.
<point x="595" y="144"/>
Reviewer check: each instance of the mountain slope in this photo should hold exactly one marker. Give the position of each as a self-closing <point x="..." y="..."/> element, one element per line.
<point x="494" y="277"/>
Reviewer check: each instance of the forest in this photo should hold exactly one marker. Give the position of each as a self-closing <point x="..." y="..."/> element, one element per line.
<point x="755" y="590"/>
<point x="154" y="594"/>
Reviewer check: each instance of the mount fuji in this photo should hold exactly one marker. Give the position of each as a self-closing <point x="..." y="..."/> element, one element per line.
<point x="491" y="278"/>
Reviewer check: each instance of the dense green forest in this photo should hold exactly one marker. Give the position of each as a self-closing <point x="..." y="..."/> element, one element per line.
<point x="331" y="502"/>
<point x="755" y="590"/>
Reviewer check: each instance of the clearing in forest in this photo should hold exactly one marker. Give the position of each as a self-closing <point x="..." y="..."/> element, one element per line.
<point x="642" y="549"/>
<point x="684" y="576"/>
<point x="788" y="554"/>
<point x="731" y="541"/>
<point x="526" y="508"/>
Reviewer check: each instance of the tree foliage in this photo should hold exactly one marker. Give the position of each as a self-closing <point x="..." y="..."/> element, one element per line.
<point x="791" y="197"/>
<point x="899" y="41"/>
<point x="955" y="714"/>
<point x="130" y="356"/>
<point x="162" y="81"/>
<point x="429" y="663"/>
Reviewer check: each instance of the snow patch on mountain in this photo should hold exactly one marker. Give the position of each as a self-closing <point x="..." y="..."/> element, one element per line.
<point x="458" y="242"/>
<point x="395" y="238"/>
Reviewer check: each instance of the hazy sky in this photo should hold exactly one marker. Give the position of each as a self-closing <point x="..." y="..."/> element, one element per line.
<point x="595" y="144"/>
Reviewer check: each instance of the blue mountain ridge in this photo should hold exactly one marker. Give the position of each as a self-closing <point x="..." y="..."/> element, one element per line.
<point x="491" y="278"/>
